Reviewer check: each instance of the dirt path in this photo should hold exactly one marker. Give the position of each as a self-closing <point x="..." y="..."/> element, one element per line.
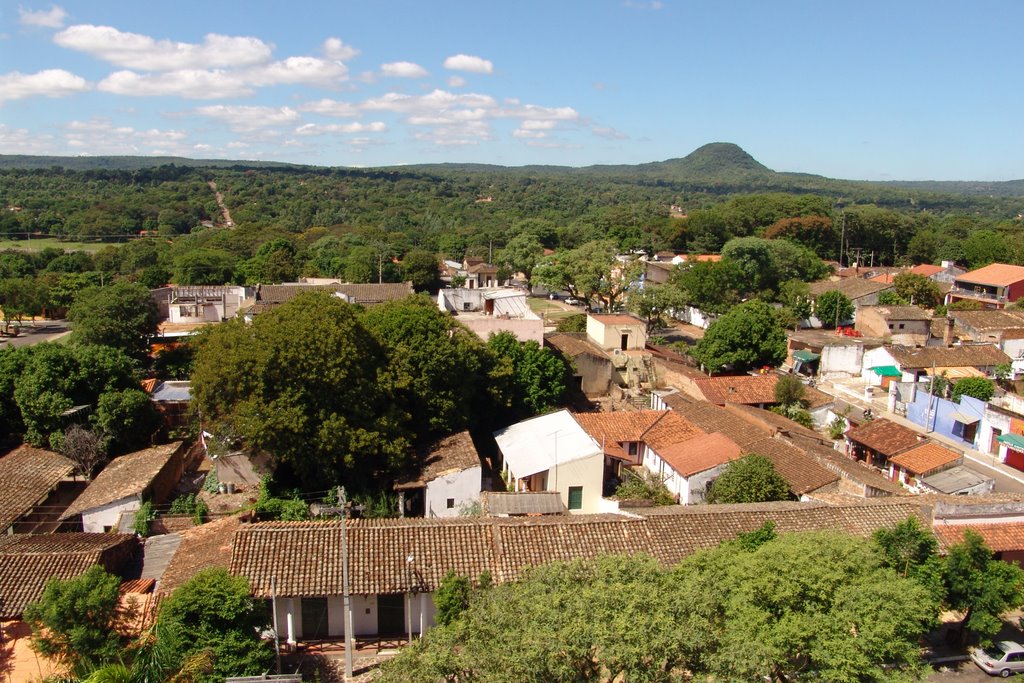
<point x="228" y="223"/>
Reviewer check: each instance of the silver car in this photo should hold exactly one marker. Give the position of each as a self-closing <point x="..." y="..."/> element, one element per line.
<point x="1003" y="658"/>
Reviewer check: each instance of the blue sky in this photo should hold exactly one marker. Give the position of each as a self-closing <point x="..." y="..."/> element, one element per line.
<point x="878" y="90"/>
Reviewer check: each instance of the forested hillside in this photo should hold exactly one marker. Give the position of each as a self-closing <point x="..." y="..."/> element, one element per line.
<point x="346" y="222"/>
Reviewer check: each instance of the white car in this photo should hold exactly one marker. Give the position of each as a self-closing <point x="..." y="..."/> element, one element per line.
<point x="573" y="301"/>
<point x="1003" y="658"/>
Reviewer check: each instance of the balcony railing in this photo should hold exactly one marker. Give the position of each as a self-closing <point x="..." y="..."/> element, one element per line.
<point x="974" y="294"/>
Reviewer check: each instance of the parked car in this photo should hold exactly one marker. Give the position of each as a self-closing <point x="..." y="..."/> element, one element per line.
<point x="573" y="301"/>
<point x="1003" y="658"/>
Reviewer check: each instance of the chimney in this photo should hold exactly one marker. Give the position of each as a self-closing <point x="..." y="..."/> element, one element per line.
<point x="947" y="337"/>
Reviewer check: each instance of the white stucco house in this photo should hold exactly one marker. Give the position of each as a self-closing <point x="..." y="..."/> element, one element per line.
<point x="125" y="483"/>
<point x="554" y="453"/>
<point x="448" y="481"/>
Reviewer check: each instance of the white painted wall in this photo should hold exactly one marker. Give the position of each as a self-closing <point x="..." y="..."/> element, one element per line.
<point x="463" y="487"/>
<point x="524" y="329"/>
<point x="586" y="472"/>
<point x="841" y="360"/>
<point x="610" y="336"/>
<point x="875" y="358"/>
<point x="94" y="520"/>
<point x="364" y="615"/>
<point x="689" y="490"/>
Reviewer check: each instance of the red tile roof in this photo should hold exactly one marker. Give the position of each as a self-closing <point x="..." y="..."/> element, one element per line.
<point x="926" y="458"/>
<point x="451" y="454"/>
<point x="999" y="538"/>
<point x="926" y="270"/>
<point x="997" y="274"/>
<point x="700" y="454"/>
<point x="884" y="437"/>
<point x="617" y="319"/>
<point x="125" y="476"/>
<point x="800" y="470"/>
<point x="207" y="545"/>
<point x="27" y="475"/>
<point x="27" y="562"/>
<point x="304" y="557"/>
<point x="748" y="389"/>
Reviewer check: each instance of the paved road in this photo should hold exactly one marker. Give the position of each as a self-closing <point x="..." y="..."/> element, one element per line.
<point x="964" y="672"/>
<point x="41" y="331"/>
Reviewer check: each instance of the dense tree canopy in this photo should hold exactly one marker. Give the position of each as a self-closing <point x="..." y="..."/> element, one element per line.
<point x="751" y="479"/>
<point x="217" y="611"/>
<point x="122" y="316"/>
<point x="748" y="336"/>
<point x="73" y="621"/>
<point x="767" y="608"/>
<point x="302" y="382"/>
<point x="833" y="308"/>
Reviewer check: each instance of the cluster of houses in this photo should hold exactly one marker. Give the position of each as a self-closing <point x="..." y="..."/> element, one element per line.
<point x="543" y="489"/>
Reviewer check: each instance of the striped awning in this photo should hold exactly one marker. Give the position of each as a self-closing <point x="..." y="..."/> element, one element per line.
<point x="1014" y="441"/>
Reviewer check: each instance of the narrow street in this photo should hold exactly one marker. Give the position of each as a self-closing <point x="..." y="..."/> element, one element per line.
<point x="1007" y="479"/>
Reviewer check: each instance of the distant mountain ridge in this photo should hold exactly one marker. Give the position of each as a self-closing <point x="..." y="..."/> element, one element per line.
<point x="717" y="166"/>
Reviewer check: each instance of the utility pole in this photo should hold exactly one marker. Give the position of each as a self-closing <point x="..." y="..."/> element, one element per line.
<point x="342" y="511"/>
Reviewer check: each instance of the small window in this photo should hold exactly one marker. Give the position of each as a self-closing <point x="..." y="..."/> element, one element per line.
<point x="575" y="497"/>
<point x="450" y="503"/>
<point x="902" y="326"/>
<point x="466" y="305"/>
<point x="632" y="448"/>
<point x="890" y="326"/>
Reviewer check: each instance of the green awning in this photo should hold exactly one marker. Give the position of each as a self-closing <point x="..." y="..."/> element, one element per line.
<point x="1014" y="441"/>
<point x="805" y="355"/>
<point x="887" y="371"/>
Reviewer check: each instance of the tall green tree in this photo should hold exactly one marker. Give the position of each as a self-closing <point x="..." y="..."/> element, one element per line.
<point x="654" y="302"/>
<point x="218" y="613"/>
<point x="748" y="336"/>
<point x="122" y="315"/>
<point x="911" y="550"/>
<point x="981" y="587"/>
<point x="536" y="377"/>
<point x="751" y="479"/>
<point x="73" y="621"/>
<point x="832" y="308"/>
<point x="713" y="287"/>
<point x="21" y="297"/>
<point x="917" y="289"/>
<point x="434" y="368"/>
<point x="303" y="382"/>
<point x="522" y="254"/>
<point x="419" y="266"/>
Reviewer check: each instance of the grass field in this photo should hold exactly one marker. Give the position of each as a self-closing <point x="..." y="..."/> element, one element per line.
<point x="40" y="244"/>
<point x="550" y="311"/>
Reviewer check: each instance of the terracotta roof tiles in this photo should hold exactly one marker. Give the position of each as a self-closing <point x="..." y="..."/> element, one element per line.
<point x="125" y="476"/>
<point x="884" y="436"/>
<point x="968" y="356"/>
<point x="451" y="454"/>
<point x="700" y="454"/>
<point x="739" y="389"/>
<point x="28" y="475"/>
<point x="1000" y="538"/>
<point x="202" y="547"/>
<point x="800" y="470"/>
<point x="305" y="556"/>
<point x="998" y="274"/>
<point x="27" y="562"/>
<point x="926" y="458"/>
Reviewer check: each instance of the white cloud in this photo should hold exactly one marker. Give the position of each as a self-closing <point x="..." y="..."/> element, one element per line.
<point x="456" y="81"/>
<point x="542" y="144"/>
<point x="531" y="124"/>
<point x="346" y="128"/>
<point x="193" y="84"/>
<point x="476" y="65"/>
<point x="470" y="133"/>
<point x="49" y="83"/>
<point x="135" y="51"/>
<point x="20" y="141"/>
<point x="523" y="133"/>
<point x="245" y="119"/>
<point x="52" y="18"/>
<point x="101" y="136"/>
<point x="434" y="102"/>
<point x="298" y="70"/>
<point x="334" y="48"/>
<point x="403" y="70"/>
<point x="537" y="113"/>
<point x="609" y="133"/>
<point x="329" y="107"/>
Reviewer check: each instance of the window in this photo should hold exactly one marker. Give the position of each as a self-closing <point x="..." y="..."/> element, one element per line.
<point x="632" y="448"/>
<point x="575" y="497"/>
<point x="466" y="305"/>
<point x="450" y="503"/>
<point x="902" y="326"/>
